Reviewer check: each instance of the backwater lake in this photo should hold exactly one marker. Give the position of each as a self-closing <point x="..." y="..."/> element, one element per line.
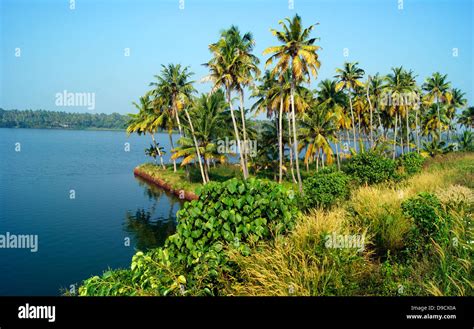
<point x="76" y="191"/>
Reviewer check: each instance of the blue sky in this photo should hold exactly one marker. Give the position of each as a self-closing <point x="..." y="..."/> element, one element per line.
<point x="82" y="50"/>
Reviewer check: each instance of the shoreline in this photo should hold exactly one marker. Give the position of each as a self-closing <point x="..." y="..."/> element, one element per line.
<point x="180" y="193"/>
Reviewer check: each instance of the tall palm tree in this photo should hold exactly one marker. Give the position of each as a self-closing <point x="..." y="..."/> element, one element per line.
<point x="209" y="118"/>
<point x="398" y="86"/>
<point x="268" y="94"/>
<point x="466" y="118"/>
<point x="246" y="70"/>
<point x="437" y="90"/>
<point x="410" y="96"/>
<point x="349" y="79"/>
<point x="318" y="128"/>
<point x="434" y="120"/>
<point x="298" y="55"/>
<point x="143" y="122"/>
<point x="375" y="91"/>
<point x="335" y="100"/>
<point x="174" y="82"/>
<point x="226" y="71"/>
<point x="457" y="102"/>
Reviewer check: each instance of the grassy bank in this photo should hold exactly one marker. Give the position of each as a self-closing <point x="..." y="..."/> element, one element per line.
<point x="300" y="264"/>
<point x="380" y="227"/>
<point x="191" y="181"/>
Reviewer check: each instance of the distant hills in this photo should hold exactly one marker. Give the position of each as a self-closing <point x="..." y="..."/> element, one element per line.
<point x="61" y="120"/>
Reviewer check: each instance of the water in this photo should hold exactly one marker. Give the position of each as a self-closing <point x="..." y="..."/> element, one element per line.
<point x="77" y="237"/>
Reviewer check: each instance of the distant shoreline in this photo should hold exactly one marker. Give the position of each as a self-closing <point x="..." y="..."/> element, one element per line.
<point x="60" y="128"/>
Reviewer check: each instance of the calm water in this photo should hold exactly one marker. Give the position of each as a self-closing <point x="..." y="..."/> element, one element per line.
<point x="77" y="237"/>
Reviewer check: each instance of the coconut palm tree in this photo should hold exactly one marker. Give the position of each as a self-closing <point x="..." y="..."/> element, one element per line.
<point x="246" y="70"/>
<point x="465" y="140"/>
<point x="456" y="103"/>
<point x="375" y="91"/>
<point x="434" y="121"/>
<point x="466" y="118"/>
<point x="437" y="90"/>
<point x="143" y="122"/>
<point x="349" y="79"/>
<point x="410" y="100"/>
<point x="398" y="86"/>
<point x="268" y="94"/>
<point x="209" y="123"/>
<point x="154" y="151"/>
<point x="318" y="128"/>
<point x="298" y="55"/>
<point x="226" y="71"/>
<point x="335" y="100"/>
<point x="174" y="83"/>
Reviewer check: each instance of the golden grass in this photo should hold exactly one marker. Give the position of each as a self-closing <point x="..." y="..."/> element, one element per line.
<point x="298" y="264"/>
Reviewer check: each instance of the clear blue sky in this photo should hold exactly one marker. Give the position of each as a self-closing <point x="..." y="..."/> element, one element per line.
<point x="82" y="50"/>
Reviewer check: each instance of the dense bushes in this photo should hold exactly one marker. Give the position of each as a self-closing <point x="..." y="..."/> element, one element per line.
<point x="324" y="188"/>
<point x="429" y="218"/>
<point x="371" y="168"/>
<point x="234" y="213"/>
<point x="412" y="163"/>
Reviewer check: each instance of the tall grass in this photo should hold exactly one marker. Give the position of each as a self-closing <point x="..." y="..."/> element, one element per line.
<point x="300" y="264"/>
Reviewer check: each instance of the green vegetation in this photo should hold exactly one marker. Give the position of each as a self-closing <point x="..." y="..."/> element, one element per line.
<point x="371" y="168"/>
<point x="233" y="214"/>
<point x="61" y="120"/>
<point x="245" y="237"/>
<point x="366" y="212"/>
<point x="325" y="188"/>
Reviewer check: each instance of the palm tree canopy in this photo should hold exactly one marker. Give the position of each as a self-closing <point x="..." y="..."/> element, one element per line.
<point x="297" y="54"/>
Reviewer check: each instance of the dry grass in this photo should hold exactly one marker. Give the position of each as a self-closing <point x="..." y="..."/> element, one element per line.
<point x="300" y="264"/>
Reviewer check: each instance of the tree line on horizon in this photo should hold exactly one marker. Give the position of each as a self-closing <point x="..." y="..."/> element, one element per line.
<point x="345" y="115"/>
<point x="61" y="120"/>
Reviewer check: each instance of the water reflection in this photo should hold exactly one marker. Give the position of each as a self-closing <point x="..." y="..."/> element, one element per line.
<point x="150" y="227"/>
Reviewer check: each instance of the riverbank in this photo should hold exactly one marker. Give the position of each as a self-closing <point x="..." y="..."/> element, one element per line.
<point x="406" y="235"/>
<point x="163" y="179"/>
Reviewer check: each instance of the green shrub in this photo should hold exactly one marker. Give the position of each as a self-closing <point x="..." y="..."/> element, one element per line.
<point x="324" y="188"/>
<point x="430" y="219"/>
<point x="233" y="213"/>
<point x="371" y="168"/>
<point x="412" y="163"/>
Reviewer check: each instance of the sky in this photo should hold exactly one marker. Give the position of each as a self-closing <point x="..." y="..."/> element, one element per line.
<point x="49" y="46"/>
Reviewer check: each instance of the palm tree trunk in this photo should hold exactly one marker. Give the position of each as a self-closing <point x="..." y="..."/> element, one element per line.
<point x="408" y="131"/>
<point x="370" y="108"/>
<point x="416" y="132"/>
<point x="322" y="158"/>
<point x="402" y="147"/>
<point x="317" y="161"/>
<point x="236" y="133"/>
<point x="290" y="143"/>
<point x="395" y="137"/>
<point x="352" y="119"/>
<point x="244" y="129"/>
<point x="159" y="152"/>
<point x="439" y="118"/>
<point x="295" y="140"/>
<point x="348" y="137"/>
<point x="207" y="169"/>
<point x="196" y="145"/>
<point x="337" y="157"/>
<point x="280" y="140"/>
<point x="175" y="108"/>
<point x="172" y="147"/>
<point x="358" y="129"/>
<point x="380" y="122"/>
